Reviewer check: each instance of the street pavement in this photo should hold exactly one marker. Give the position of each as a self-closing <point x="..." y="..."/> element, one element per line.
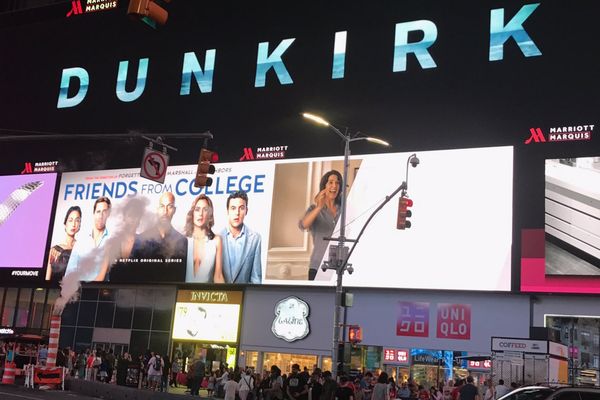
<point x="10" y="392"/>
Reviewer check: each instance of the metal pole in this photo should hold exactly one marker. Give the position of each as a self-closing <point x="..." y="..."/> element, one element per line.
<point x="340" y="259"/>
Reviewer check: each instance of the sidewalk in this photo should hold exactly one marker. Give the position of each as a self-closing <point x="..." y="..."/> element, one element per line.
<point x="115" y="392"/>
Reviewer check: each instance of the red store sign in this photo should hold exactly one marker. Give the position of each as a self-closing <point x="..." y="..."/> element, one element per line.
<point x="454" y="321"/>
<point x="413" y="319"/>
<point x="395" y="356"/>
<point x="485" y="364"/>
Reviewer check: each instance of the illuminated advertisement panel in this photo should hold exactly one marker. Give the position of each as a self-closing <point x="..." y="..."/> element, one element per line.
<point x="565" y="255"/>
<point x="208" y="316"/>
<point x="135" y="230"/>
<point x="25" y="210"/>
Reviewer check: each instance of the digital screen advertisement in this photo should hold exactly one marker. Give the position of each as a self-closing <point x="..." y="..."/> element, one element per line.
<point x="25" y="209"/>
<point x="565" y="255"/>
<point x="496" y="100"/>
<point x="207" y="316"/>
<point x="135" y="230"/>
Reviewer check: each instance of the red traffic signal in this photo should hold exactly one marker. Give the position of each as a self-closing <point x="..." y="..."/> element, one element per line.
<point x="205" y="168"/>
<point x="404" y="213"/>
<point x="148" y="11"/>
<point x="354" y="334"/>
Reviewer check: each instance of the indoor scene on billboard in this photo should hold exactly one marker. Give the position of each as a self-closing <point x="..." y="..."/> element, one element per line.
<point x="572" y="216"/>
<point x="461" y="220"/>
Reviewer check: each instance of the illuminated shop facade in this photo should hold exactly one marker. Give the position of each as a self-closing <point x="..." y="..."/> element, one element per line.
<point x="285" y="326"/>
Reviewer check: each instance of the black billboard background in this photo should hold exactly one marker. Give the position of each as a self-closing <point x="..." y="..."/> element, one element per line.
<point x="466" y="101"/>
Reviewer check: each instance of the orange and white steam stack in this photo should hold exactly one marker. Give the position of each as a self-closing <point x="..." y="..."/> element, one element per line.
<point x="53" y="341"/>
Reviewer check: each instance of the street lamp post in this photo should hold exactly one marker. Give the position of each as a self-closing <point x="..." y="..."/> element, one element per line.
<point x="338" y="254"/>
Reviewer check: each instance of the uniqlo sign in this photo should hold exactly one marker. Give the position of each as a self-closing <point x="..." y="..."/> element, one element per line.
<point x="485" y="364"/>
<point x="454" y="321"/>
<point x="395" y="356"/>
<point x="413" y="319"/>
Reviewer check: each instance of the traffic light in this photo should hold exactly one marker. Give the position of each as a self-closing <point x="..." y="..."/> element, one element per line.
<point x="205" y="168"/>
<point x="149" y="11"/>
<point x="404" y="212"/>
<point x="354" y="334"/>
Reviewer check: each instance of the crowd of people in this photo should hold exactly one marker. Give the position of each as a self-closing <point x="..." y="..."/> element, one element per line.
<point x="155" y="372"/>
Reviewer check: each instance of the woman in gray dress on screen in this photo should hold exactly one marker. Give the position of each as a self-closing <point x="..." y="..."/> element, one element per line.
<point x="205" y="249"/>
<point x="321" y="217"/>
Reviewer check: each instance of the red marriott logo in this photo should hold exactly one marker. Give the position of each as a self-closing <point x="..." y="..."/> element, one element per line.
<point x="248" y="154"/>
<point x="561" y="134"/>
<point x="28" y="169"/>
<point x="536" y="136"/>
<point x="91" y="6"/>
<point x="75" y="8"/>
<point x="264" y="153"/>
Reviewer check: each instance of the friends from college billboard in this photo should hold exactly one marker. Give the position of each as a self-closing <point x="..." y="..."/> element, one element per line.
<point x="264" y="222"/>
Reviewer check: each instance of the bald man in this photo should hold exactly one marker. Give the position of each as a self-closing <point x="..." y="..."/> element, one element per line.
<point x="161" y="251"/>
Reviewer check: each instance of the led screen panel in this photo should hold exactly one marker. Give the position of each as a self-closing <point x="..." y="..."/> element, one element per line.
<point x="207" y="316"/>
<point x="206" y="322"/>
<point x="565" y="255"/>
<point x="25" y="210"/>
<point x="461" y="223"/>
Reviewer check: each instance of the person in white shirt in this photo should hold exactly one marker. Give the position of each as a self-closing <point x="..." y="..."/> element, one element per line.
<point x="501" y="389"/>
<point x="155" y="369"/>
<point x="88" y="257"/>
<point x="230" y="388"/>
<point x="246" y="384"/>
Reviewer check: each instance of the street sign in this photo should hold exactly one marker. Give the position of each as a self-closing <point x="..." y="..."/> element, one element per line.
<point x="154" y="165"/>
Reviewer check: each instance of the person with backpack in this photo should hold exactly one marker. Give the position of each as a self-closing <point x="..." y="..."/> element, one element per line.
<point x="155" y="368"/>
<point x="246" y="385"/>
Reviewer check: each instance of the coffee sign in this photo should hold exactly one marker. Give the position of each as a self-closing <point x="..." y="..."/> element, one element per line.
<point x="291" y="323"/>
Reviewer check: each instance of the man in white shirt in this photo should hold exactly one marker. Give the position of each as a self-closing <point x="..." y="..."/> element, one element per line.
<point x="87" y="257"/>
<point x="155" y="366"/>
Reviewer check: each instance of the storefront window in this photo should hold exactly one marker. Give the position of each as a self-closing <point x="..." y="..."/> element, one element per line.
<point x="399" y="373"/>
<point x="142" y="316"/>
<point x="10" y="302"/>
<point x="105" y="314"/>
<point x="52" y="296"/>
<point x="326" y="364"/>
<point x="213" y="355"/>
<point x="285" y="361"/>
<point x="431" y="367"/>
<point x="37" y="307"/>
<point x="125" y="302"/>
<point x="23" y="308"/>
<point x="366" y="358"/>
<point x="87" y="313"/>
<point x="1" y="296"/>
<point x="252" y="359"/>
